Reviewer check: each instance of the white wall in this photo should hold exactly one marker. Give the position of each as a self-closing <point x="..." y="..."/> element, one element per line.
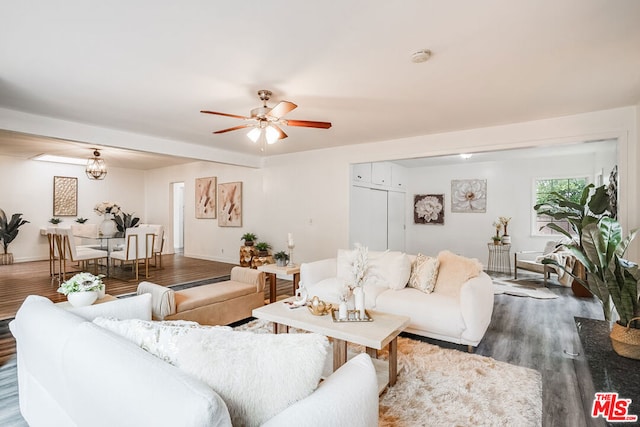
<point x="509" y="193"/>
<point x="203" y="238"/>
<point x="27" y="188"/>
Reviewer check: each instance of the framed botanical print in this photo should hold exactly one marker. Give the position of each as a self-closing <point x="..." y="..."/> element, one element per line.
<point x="230" y="204"/>
<point x="206" y="197"/>
<point x="469" y="195"/>
<point x="428" y="209"/>
<point x="65" y="196"/>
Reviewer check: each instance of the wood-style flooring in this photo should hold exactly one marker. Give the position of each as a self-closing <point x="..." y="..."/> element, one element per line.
<point x="538" y="334"/>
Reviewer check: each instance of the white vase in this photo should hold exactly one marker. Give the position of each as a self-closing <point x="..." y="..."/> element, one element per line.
<point x="82" y="299"/>
<point x="359" y="297"/>
<point x="506" y="239"/>
<point x="108" y="226"/>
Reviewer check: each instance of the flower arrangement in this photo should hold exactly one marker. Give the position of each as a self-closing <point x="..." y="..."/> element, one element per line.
<point x="498" y="226"/>
<point x="360" y="265"/>
<point x="82" y="282"/>
<point x="505" y="222"/>
<point x="107" y="207"/>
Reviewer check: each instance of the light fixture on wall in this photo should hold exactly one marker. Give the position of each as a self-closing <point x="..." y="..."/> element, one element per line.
<point x="96" y="168"/>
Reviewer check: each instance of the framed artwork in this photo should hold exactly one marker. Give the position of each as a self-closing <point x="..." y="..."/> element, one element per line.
<point x="65" y="196"/>
<point x="230" y="204"/>
<point x="469" y="195"/>
<point x="428" y="209"/>
<point x="206" y="197"/>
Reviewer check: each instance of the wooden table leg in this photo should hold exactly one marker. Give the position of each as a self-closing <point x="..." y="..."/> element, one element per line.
<point x="272" y="287"/>
<point x="279" y="328"/>
<point x="339" y="353"/>
<point x="393" y="361"/>
<point x="372" y="352"/>
<point x="296" y="282"/>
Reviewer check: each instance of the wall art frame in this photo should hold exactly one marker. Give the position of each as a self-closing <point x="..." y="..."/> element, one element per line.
<point x="206" y="198"/>
<point x="428" y="209"/>
<point x="65" y="196"/>
<point x="230" y="204"/>
<point x="469" y="195"/>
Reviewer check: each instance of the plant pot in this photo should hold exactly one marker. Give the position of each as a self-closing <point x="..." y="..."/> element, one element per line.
<point x="263" y="253"/>
<point x="506" y="239"/>
<point x="6" y="259"/>
<point x="281" y="262"/>
<point x="248" y="242"/>
<point x="82" y="299"/>
<point x="626" y="340"/>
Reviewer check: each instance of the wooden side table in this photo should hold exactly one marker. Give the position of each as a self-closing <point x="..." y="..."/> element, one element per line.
<point x="273" y="270"/>
<point x="499" y="258"/>
<point x="246" y="255"/>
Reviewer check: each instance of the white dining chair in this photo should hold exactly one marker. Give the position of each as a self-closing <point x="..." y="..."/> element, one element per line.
<point x="139" y="244"/>
<point x="69" y="252"/>
<point x="158" y="245"/>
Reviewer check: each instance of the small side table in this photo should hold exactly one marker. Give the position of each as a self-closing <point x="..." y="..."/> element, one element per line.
<point x="272" y="270"/>
<point x="246" y="255"/>
<point x="499" y="258"/>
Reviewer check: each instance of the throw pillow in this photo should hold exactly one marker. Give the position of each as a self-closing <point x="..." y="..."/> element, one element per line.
<point x="391" y="269"/>
<point x="257" y="375"/>
<point x="454" y="271"/>
<point x="424" y="273"/>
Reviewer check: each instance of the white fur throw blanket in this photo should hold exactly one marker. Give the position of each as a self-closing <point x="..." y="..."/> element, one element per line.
<point x="563" y="258"/>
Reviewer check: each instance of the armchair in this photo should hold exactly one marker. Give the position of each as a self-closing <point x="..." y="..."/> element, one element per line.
<point x="552" y="249"/>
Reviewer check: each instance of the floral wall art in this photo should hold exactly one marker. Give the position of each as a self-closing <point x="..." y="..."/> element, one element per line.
<point x="230" y="204"/>
<point x="206" y="197"/>
<point x="428" y="209"/>
<point x="469" y="195"/>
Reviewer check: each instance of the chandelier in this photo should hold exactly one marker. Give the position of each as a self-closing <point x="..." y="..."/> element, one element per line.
<point x="96" y="168"/>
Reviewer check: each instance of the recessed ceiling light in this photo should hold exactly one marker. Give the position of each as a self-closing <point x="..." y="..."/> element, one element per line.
<point x="60" y="159"/>
<point x="421" y="56"/>
<point x="466" y="155"/>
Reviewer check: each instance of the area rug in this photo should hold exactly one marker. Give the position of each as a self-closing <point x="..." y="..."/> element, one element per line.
<point x="522" y="290"/>
<point x="443" y="387"/>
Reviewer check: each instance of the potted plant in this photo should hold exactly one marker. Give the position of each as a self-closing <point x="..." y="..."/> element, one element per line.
<point x="611" y="278"/>
<point x="8" y="232"/>
<point x="55" y="221"/>
<point x="81" y="220"/>
<point x="263" y="248"/>
<point x="506" y="239"/>
<point x="125" y="220"/>
<point x="498" y="226"/>
<point x="281" y="258"/>
<point x="248" y="238"/>
<point x="83" y="289"/>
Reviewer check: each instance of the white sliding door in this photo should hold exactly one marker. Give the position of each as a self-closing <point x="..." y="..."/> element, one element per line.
<point x="395" y="221"/>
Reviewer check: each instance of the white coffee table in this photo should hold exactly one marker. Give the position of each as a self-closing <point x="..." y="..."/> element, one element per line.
<point x="374" y="336"/>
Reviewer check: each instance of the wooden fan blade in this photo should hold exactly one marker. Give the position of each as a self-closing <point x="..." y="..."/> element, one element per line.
<point x="307" y="124"/>
<point x="225" y="114"/>
<point x="281" y="109"/>
<point x="281" y="133"/>
<point x="233" y="128"/>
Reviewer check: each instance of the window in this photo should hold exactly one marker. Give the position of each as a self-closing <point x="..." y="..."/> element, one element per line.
<point x="571" y="188"/>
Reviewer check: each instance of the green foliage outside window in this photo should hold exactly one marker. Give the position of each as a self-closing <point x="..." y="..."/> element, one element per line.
<point x="571" y="188"/>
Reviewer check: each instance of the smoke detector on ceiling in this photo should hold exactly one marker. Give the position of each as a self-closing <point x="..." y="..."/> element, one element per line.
<point x="421" y="56"/>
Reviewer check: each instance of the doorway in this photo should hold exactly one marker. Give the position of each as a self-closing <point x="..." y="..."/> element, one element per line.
<point x="178" y="216"/>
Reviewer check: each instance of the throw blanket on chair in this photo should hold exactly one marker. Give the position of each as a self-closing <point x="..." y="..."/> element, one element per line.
<point x="564" y="258"/>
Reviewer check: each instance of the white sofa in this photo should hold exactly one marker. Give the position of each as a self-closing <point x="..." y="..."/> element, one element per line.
<point x="459" y="313"/>
<point x="72" y="372"/>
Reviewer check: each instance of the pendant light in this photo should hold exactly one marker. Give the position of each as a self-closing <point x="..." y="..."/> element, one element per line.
<point x="96" y="168"/>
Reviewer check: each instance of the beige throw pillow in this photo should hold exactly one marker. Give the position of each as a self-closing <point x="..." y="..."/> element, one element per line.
<point x="424" y="273"/>
<point x="454" y="271"/>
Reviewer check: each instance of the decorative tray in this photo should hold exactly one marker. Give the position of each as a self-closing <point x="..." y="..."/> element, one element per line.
<point x="352" y="316"/>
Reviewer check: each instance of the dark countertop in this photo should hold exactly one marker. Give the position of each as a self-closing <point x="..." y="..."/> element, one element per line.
<point x="609" y="371"/>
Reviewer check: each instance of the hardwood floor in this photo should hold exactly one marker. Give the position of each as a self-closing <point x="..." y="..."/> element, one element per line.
<point x="538" y="334"/>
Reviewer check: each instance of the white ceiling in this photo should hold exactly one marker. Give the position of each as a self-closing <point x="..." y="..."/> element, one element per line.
<point x="149" y="67"/>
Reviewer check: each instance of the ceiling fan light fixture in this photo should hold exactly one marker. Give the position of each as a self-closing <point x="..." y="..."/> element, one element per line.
<point x="254" y="134"/>
<point x="272" y="135"/>
<point x="96" y="167"/>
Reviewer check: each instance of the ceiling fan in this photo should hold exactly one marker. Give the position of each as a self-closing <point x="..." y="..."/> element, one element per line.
<point x="267" y="121"/>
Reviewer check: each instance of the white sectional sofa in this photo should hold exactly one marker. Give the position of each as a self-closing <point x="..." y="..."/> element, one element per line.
<point x="72" y="372"/>
<point x="458" y="310"/>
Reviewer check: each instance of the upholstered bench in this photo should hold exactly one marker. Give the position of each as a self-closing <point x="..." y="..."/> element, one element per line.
<point x="218" y="303"/>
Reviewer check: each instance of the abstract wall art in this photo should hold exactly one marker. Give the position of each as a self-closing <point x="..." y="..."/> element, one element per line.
<point x="230" y="204"/>
<point x="65" y="196"/>
<point x="206" y="197"/>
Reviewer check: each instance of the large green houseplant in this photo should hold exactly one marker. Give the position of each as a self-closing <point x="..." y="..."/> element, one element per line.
<point x="600" y="248"/>
<point x="8" y="232"/>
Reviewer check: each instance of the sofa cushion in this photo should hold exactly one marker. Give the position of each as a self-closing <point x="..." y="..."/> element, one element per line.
<point x="391" y="269"/>
<point x="137" y="307"/>
<point x="257" y="375"/>
<point x="424" y="273"/>
<point x="198" y="296"/>
<point x="454" y="271"/>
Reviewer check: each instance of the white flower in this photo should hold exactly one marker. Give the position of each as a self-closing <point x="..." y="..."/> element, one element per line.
<point x="107" y="207"/>
<point x="359" y="265"/>
<point x="429" y="208"/>
<point x="82" y="282"/>
<point x="470" y="196"/>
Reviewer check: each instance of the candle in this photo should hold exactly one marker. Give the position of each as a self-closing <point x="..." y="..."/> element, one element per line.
<point x="290" y="239"/>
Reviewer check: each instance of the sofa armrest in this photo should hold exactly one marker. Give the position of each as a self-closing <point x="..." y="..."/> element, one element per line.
<point x="163" y="300"/>
<point x="476" y="306"/>
<point x="250" y="276"/>
<point x="314" y="272"/>
<point x="349" y="397"/>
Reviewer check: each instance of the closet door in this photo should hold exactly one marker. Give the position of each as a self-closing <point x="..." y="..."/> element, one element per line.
<point x="368" y="218"/>
<point x="395" y="221"/>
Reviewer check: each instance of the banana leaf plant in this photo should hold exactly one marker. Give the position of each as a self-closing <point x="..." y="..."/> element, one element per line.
<point x="125" y="221"/>
<point x="9" y="229"/>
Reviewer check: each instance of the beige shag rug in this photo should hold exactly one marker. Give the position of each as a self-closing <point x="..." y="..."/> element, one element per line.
<point x="443" y="387"/>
